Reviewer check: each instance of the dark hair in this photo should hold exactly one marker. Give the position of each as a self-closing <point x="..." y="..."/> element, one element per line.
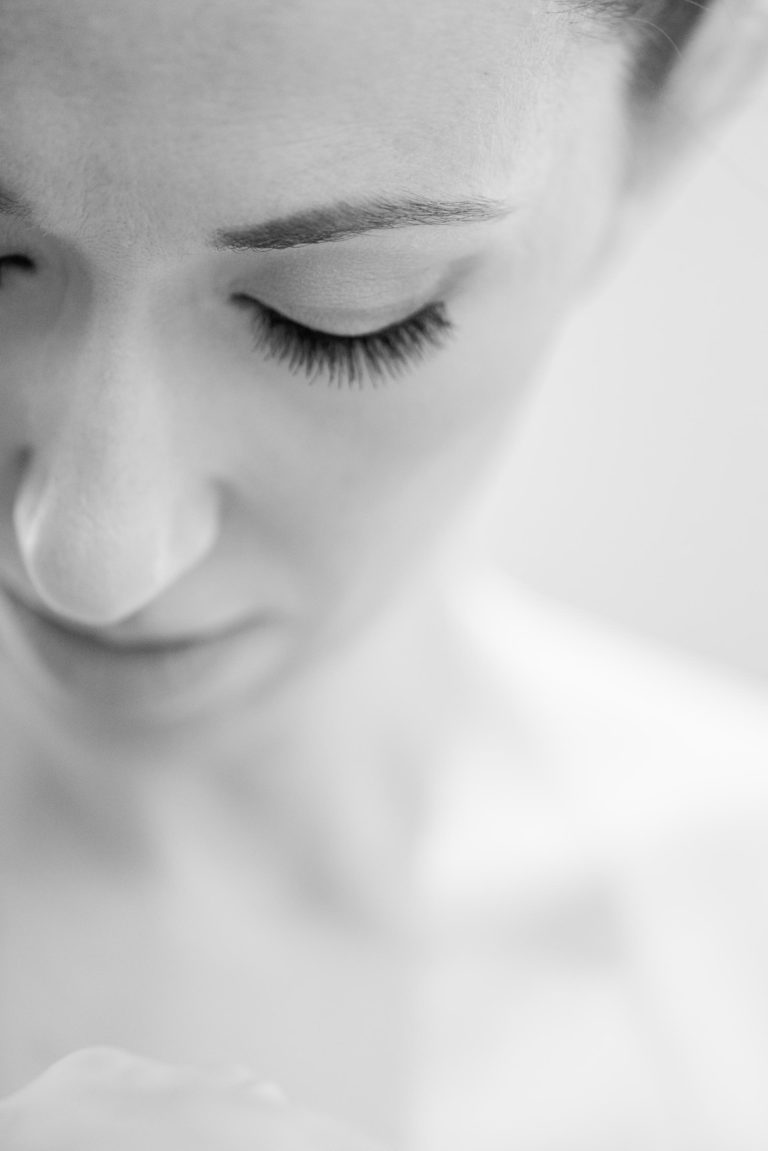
<point x="658" y="29"/>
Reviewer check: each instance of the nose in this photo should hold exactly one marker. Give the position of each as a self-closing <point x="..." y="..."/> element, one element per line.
<point x="108" y="513"/>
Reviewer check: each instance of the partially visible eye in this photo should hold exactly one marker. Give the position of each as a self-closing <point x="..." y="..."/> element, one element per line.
<point x="16" y="261"/>
<point x="389" y="351"/>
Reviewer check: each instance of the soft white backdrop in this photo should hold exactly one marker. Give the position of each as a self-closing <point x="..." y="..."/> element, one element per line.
<point x="639" y="486"/>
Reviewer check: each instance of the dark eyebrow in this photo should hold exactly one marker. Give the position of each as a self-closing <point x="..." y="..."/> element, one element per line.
<point x="343" y="220"/>
<point x="332" y="223"/>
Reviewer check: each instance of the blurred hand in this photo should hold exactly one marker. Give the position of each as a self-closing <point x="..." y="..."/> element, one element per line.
<point x="104" y="1099"/>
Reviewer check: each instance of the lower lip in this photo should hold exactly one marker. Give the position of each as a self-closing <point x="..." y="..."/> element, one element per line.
<point x="125" y="680"/>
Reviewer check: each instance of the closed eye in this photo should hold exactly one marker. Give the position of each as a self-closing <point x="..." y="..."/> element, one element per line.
<point x="371" y="357"/>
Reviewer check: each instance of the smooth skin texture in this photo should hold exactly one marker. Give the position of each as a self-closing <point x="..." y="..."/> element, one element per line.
<point x="162" y="478"/>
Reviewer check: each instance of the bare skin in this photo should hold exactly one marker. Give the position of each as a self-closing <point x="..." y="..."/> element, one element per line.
<point x="162" y="479"/>
<point x="217" y="864"/>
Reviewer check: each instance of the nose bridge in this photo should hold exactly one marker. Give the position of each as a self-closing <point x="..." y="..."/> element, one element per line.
<point x="111" y="413"/>
<point x="106" y="514"/>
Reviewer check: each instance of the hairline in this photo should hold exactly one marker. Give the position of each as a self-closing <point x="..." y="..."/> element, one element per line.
<point x="656" y="31"/>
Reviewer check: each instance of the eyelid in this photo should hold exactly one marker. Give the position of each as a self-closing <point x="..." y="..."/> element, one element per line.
<point x="373" y="356"/>
<point x="338" y="322"/>
<point x="363" y="293"/>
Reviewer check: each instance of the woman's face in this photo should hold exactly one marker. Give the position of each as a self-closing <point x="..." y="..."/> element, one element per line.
<point x="176" y="460"/>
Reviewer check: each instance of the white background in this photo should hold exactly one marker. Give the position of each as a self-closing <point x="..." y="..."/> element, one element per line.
<point x="639" y="488"/>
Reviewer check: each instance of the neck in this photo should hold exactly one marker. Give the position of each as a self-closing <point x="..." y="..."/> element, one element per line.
<point x="326" y="784"/>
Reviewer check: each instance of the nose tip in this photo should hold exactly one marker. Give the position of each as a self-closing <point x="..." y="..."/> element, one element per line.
<point x="96" y="560"/>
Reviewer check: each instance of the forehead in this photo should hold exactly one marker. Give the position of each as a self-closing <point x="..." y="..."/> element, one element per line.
<point x="185" y="115"/>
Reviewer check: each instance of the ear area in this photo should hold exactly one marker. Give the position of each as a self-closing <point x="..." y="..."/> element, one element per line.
<point x="715" y="70"/>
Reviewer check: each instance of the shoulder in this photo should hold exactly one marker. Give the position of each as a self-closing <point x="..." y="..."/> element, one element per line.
<point x="584" y="683"/>
<point x="601" y="857"/>
<point x="579" y="732"/>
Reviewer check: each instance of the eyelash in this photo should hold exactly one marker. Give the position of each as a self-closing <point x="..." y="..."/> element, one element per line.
<point x="374" y="356"/>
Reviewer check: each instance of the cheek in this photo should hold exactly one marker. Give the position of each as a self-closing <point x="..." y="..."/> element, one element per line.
<point x="351" y="485"/>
